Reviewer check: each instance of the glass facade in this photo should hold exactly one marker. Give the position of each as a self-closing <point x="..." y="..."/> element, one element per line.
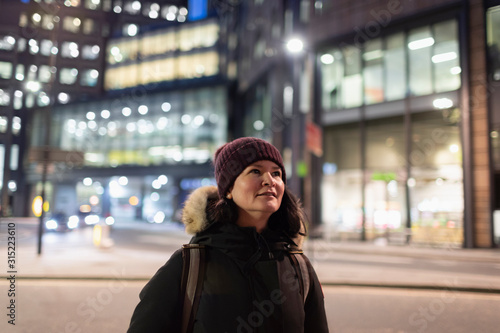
<point x="164" y="55"/>
<point x="422" y="61"/>
<point x="493" y="52"/>
<point x="394" y="161"/>
<point x="34" y="77"/>
<point x="164" y="128"/>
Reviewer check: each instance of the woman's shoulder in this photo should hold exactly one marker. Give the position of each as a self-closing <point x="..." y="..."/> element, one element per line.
<point x="173" y="265"/>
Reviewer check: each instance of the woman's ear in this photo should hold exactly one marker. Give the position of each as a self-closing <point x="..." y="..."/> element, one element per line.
<point x="229" y="195"/>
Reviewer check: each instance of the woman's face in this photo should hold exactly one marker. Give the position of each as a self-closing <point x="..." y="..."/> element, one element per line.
<point x="258" y="190"/>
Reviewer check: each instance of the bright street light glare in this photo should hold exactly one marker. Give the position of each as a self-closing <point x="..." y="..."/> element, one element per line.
<point x="295" y="45"/>
<point x="33" y="86"/>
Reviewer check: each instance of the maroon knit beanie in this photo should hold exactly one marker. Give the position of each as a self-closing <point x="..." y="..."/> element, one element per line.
<point x="233" y="157"/>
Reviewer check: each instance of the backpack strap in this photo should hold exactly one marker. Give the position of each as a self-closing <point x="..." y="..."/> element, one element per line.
<point x="302" y="271"/>
<point x="193" y="272"/>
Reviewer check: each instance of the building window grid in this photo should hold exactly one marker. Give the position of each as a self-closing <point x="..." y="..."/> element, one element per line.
<point x="453" y="228"/>
<point x="180" y="136"/>
<point x="86" y="77"/>
<point x="343" y="104"/>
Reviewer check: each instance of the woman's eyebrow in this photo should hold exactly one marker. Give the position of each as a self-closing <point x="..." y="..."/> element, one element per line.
<point x="261" y="166"/>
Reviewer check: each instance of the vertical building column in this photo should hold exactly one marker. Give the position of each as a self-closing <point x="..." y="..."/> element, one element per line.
<point x="480" y="161"/>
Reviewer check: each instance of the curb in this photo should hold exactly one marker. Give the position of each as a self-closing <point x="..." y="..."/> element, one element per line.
<point x="413" y="286"/>
<point x="492" y="255"/>
<point x="424" y="256"/>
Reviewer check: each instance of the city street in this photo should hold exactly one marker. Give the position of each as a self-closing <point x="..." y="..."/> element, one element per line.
<point x="76" y="287"/>
<point x="63" y="306"/>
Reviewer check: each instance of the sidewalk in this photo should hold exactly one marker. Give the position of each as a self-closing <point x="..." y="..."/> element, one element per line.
<point x="402" y="266"/>
<point x="361" y="264"/>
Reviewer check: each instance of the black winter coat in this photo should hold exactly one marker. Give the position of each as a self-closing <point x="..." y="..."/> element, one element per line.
<point x="250" y="284"/>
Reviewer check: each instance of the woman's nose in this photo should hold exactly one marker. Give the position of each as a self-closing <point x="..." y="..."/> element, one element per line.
<point x="268" y="179"/>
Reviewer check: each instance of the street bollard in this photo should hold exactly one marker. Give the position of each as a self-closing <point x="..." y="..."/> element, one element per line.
<point x="101" y="236"/>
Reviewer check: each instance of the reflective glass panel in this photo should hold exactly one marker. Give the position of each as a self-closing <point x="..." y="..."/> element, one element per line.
<point x="395" y="67"/>
<point x="5" y="70"/>
<point x="493" y="39"/>
<point x="420" y="42"/>
<point x="446" y="57"/>
<point x="341" y="187"/>
<point x="352" y="82"/>
<point x="436" y="183"/>
<point x="373" y="72"/>
<point x="385" y="204"/>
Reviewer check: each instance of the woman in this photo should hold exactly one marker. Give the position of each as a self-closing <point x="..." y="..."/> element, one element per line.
<point x="248" y="224"/>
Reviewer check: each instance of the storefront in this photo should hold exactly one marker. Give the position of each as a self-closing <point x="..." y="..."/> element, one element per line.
<point x="392" y="145"/>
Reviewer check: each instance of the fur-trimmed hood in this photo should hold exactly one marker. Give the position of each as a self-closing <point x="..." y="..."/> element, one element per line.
<point x="194" y="214"/>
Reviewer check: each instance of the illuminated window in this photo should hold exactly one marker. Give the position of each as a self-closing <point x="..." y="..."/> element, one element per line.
<point x="48" y="21"/>
<point x="46" y="47"/>
<point x="186" y="39"/>
<point x="3" y="124"/>
<point x="72" y="3"/>
<point x="132" y="6"/>
<point x="89" y="26"/>
<point x="18" y="100"/>
<point x="34" y="48"/>
<point x="90" y="52"/>
<point x="72" y="24"/>
<point x="44" y="74"/>
<point x="420" y="42"/>
<point x="433" y="67"/>
<point x="23" y="20"/>
<point x="36" y="18"/>
<point x="4" y="97"/>
<point x="445" y="58"/>
<point x="14" y="158"/>
<point x="395" y="67"/>
<point x="70" y="50"/>
<point x="352" y="93"/>
<point x="493" y="40"/>
<point x="5" y="70"/>
<point x="7" y="42"/>
<point x="20" y="72"/>
<point x="373" y="72"/>
<point x="89" y="78"/>
<point x="92" y="4"/>
<point x="123" y="50"/>
<point x="16" y="125"/>
<point x="130" y="29"/>
<point x="68" y="75"/>
<point x="21" y="45"/>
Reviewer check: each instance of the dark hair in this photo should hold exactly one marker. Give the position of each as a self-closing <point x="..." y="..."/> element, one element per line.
<point x="289" y="218"/>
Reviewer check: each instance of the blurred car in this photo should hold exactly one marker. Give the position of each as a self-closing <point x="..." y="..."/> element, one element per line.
<point x="58" y="222"/>
<point x="91" y="219"/>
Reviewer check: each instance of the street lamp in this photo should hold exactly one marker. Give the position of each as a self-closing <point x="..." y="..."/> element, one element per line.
<point x="307" y="134"/>
<point x="295" y="45"/>
<point x="292" y="109"/>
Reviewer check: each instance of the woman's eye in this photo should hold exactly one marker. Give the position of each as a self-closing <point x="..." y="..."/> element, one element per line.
<point x="277" y="174"/>
<point x="255" y="171"/>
